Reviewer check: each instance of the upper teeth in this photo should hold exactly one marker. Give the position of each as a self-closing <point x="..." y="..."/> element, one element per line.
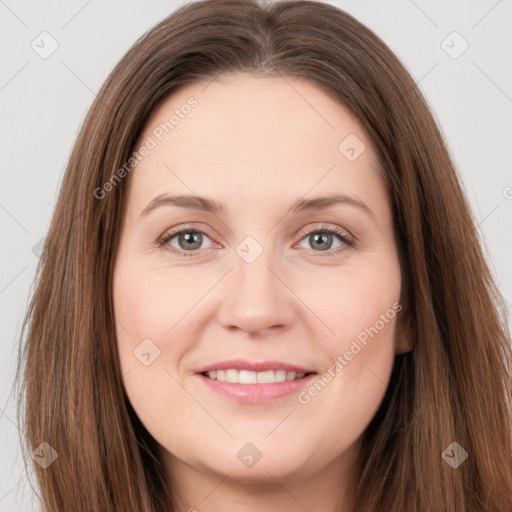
<point x="248" y="377"/>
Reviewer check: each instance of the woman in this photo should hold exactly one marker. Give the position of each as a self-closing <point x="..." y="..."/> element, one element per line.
<point x="262" y="287"/>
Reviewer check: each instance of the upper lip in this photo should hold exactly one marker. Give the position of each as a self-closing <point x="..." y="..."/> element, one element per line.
<point x="253" y="366"/>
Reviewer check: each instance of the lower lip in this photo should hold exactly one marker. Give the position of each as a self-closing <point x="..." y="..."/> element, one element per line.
<point x="256" y="393"/>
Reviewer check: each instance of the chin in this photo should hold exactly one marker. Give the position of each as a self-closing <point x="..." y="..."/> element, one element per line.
<point x="258" y="461"/>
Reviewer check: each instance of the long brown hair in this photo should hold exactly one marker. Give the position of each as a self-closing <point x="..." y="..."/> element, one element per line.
<point x="453" y="387"/>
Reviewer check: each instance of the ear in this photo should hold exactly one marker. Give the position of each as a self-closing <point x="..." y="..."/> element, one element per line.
<point x="403" y="331"/>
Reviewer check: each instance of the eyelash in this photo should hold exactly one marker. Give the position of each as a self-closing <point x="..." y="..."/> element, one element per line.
<point x="167" y="237"/>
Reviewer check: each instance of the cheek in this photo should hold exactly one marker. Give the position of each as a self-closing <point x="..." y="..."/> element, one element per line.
<point x="149" y="304"/>
<point x="356" y="303"/>
<point x="153" y="309"/>
<point x="361" y="309"/>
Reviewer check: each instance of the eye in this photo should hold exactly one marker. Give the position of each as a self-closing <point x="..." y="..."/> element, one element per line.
<point x="321" y="240"/>
<point x="190" y="240"/>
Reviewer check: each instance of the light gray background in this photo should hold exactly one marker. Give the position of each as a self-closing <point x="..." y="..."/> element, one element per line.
<point x="43" y="102"/>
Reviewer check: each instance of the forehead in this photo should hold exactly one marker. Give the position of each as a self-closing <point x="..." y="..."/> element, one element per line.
<point x="258" y="134"/>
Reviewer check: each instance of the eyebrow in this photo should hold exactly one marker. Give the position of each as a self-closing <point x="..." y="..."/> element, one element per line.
<point x="209" y="205"/>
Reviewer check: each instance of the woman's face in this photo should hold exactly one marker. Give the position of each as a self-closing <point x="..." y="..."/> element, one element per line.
<point x="256" y="288"/>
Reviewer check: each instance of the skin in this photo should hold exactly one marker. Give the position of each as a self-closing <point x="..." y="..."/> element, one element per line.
<point x="256" y="144"/>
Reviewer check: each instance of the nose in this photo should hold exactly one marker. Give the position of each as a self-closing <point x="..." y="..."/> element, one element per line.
<point x="256" y="297"/>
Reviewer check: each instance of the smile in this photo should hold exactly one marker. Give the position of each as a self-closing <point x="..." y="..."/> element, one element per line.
<point x="252" y="382"/>
<point x="248" y="377"/>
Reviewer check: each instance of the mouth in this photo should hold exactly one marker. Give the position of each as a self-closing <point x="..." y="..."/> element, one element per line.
<point x="255" y="382"/>
<point x="249" y="377"/>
